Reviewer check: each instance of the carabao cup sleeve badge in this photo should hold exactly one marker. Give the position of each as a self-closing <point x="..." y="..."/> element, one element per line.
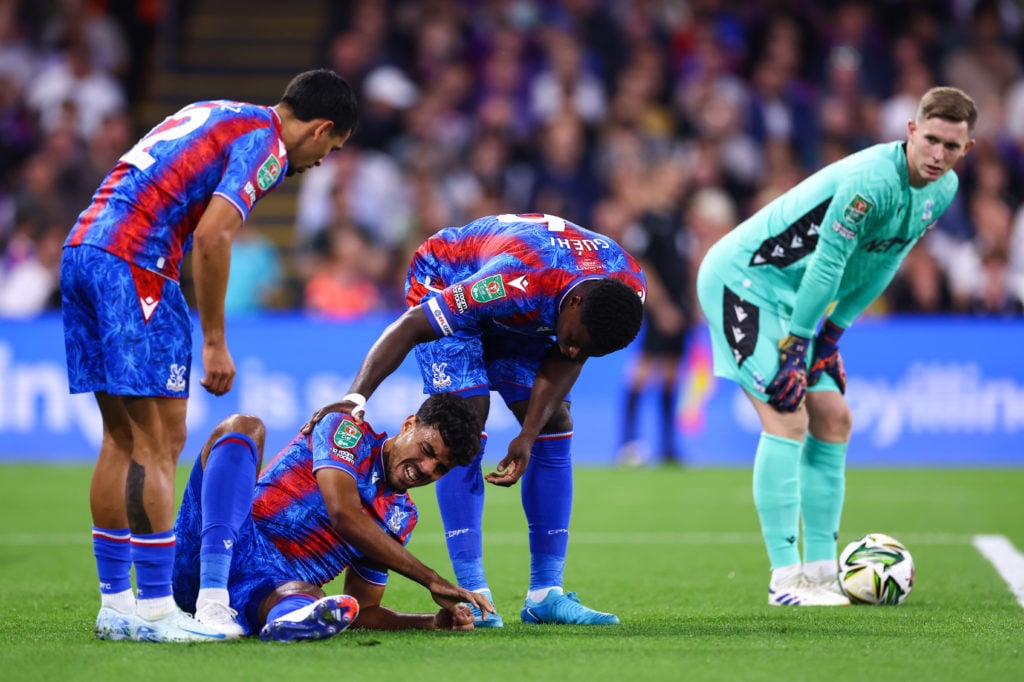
<point x="347" y="434"/>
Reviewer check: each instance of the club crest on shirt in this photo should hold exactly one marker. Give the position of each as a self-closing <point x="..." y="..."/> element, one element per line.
<point x="488" y="289"/>
<point x="857" y="210"/>
<point x="395" y="519"/>
<point x="347" y="434"/>
<point x="268" y="173"/>
<point x="928" y="206"/>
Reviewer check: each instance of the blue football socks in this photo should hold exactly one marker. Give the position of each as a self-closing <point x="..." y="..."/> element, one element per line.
<point x="547" y="500"/>
<point x="153" y="556"/>
<point x="822" y="488"/>
<point x="777" y="497"/>
<point x="226" y="500"/>
<point x="113" y="551"/>
<point x="460" y="497"/>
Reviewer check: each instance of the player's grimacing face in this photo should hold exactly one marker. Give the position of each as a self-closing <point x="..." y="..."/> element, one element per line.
<point x="418" y="456"/>
<point x="934" y="146"/>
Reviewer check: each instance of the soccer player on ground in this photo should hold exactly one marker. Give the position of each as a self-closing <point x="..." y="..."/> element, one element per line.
<point x="826" y="248"/>
<point x="191" y="180"/>
<point x="261" y="549"/>
<point x="514" y="303"/>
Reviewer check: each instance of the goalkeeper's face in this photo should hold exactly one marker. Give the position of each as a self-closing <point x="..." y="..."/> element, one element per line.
<point x="933" y="147"/>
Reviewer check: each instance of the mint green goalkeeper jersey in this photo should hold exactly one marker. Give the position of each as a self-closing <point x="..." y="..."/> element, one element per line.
<point x="839" y="236"/>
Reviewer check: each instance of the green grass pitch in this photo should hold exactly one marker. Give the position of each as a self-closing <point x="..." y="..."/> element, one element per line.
<point x="674" y="552"/>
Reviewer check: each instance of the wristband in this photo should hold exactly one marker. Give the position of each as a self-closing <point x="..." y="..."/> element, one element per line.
<point x="358" y="399"/>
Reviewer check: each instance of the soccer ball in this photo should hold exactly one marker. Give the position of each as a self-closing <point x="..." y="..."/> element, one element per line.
<point x="876" y="569"/>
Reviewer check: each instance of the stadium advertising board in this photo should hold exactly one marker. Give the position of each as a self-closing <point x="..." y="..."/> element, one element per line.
<point x="925" y="392"/>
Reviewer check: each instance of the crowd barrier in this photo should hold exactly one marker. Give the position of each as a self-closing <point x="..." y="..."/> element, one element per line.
<point x="924" y="392"/>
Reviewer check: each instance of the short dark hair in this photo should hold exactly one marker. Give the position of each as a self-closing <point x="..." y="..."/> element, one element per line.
<point x="612" y="313"/>
<point x="321" y="93"/>
<point x="950" y="104"/>
<point x="458" y="425"/>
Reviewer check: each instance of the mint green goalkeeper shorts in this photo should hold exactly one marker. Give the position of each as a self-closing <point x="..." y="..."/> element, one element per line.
<point x="745" y="338"/>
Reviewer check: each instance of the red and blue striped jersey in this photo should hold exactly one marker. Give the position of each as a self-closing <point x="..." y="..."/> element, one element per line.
<point x="289" y="509"/>
<point x="511" y="273"/>
<point x="148" y="206"/>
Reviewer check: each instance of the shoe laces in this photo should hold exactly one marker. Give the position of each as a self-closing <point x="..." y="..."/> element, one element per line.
<point x="214" y="612"/>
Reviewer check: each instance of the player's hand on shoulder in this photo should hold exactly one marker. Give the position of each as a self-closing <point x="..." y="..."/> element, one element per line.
<point x="346" y="406"/>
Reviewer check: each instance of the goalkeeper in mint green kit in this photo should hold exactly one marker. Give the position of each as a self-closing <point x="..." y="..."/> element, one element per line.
<point x="825" y="249"/>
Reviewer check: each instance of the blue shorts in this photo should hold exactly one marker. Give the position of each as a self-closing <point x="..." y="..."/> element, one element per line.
<point x="111" y="345"/>
<point x="474" y="365"/>
<point x="257" y="568"/>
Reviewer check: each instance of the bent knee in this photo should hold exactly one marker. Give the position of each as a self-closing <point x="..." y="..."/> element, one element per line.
<point x="561" y="420"/>
<point x="831" y="421"/>
<point x="245" y="424"/>
<point x="286" y="590"/>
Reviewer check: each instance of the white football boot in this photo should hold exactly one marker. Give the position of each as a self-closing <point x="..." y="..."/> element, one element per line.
<point x="799" y="591"/>
<point x="115" y="625"/>
<point x="220" y="617"/>
<point x="174" y="626"/>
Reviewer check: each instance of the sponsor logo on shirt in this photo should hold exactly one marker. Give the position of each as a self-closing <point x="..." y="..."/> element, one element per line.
<point x="343" y="455"/>
<point x="886" y="245"/>
<point x="857" y="210"/>
<point x="250" y="192"/>
<point x="176" y="379"/>
<point x="347" y="434"/>
<point x="488" y="289"/>
<point x="438" y="315"/>
<point x="459" y="293"/>
<point x="843" y="230"/>
<point x="268" y="173"/>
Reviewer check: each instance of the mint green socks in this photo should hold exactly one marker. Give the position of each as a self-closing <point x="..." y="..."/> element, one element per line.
<point x="777" y="497"/>
<point x="822" y="487"/>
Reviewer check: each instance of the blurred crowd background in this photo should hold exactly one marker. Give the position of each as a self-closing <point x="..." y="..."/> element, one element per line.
<point x="661" y="123"/>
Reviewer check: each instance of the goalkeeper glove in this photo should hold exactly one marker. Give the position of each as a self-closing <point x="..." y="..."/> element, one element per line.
<point x="826" y="356"/>
<point x="787" y="390"/>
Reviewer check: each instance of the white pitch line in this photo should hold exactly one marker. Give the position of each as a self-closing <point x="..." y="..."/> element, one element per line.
<point x="707" y="538"/>
<point x="1007" y="559"/>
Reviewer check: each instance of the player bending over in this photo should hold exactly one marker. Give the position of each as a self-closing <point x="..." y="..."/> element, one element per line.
<point x="828" y="246"/>
<point x="515" y="304"/>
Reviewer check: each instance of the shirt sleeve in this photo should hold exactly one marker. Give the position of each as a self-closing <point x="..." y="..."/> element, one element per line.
<point x="858" y="203"/>
<point x="255" y="165"/>
<point x="338" y="443"/>
<point x="850" y="306"/>
<point x="491" y="292"/>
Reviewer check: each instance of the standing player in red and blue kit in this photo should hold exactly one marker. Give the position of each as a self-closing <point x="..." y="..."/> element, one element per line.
<point x="513" y="303"/>
<point x="189" y="183"/>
